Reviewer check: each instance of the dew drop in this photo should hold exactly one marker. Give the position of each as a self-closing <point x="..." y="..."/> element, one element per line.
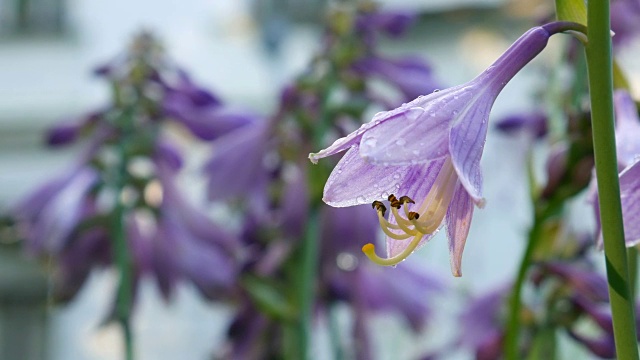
<point x="361" y="200"/>
<point x="370" y="141"/>
<point x="384" y="195"/>
<point x="436" y="90"/>
<point x="396" y="176"/>
<point x="401" y="142"/>
<point x="455" y="112"/>
<point x="416" y="152"/>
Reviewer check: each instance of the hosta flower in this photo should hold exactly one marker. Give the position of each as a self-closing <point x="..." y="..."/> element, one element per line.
<point x="424" y="157"/>
<point x="628" y="152"/>
<point x="411" y="76"/>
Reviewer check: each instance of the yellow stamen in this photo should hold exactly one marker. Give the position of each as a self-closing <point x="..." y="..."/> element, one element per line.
<point x="403" y="223"/>
<point x="425" y="220"/>
<point x="370" y="251"/>
<point x="387" y="226"/>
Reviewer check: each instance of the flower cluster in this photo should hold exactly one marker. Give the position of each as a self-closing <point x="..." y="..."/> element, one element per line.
<point x="128" y="175"/>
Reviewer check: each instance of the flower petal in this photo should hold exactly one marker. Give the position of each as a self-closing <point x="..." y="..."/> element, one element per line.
<point x="466" y="142"/>
<point x="627" y="128"/>
<point x="354" y="181"/>
<point x="630" y="197"/>
<point x="458" y="221"/>
<point x="412" y="109"/>
<point x="236" y="163"/>
<point x="416" y="132"/>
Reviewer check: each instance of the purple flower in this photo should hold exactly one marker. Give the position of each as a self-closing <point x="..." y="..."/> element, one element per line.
<point x="200" y="111"/>
<point x="246" y="146"/>
<point x="411" y="76"/>
<point x="188" y="244"/>
<point x="68" y="131"/>
<point x="429" y="152"/>
<point x="628" y="150"/>
<point x="627" y="129"/>
<point x="392" y="23"/>
<point x="482" y="326"/>
<point x="534" y="124"/>
<point x="588" y="283"/>
<point x="49" y="216"/>
<point x="601" y="345"/>
<point x="625" y="20"/>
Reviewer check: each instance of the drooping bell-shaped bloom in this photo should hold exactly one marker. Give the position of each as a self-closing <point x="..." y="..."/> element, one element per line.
<point x="533" y="124"/>
<point x="482" y="326"/>
<point x="411" y="76"/>
<point x="428" y="153"/>
<point x="246" y="146"/>
<point x="187" y="244"/>
<point x="50" y="214"/>
<point x="200" y="111"/>
<point x="628" y="152"/>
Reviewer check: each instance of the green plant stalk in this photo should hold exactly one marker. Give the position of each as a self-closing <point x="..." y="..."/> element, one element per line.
<point x="307" y="284"/>
<point x="513" y="320"/>
<point x="632" y="260"/>
<point x="599" y="65"/>
<point x="123" y="258"/>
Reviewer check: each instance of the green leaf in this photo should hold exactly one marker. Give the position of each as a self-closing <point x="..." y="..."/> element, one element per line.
<point x="619" y="79"/>
<point x="571" y="10"/>
<point x="267" y="297"/>
<point x="544" y="345"/>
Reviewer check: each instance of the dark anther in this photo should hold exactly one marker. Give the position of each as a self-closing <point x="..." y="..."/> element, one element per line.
<point x="379" y="206"/>
<point x="413" y="215"/>
<point x="394" y="202"/>
<point x="406" y="199"/>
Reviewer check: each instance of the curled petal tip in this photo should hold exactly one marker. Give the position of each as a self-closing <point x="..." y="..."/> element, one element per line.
<point x="480" y="203"/>
<point x="313" y="157"/>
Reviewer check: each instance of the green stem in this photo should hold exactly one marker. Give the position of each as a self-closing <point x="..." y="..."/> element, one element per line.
<point x="307" y="284"/>
<point x="599" y="64"/>
<point x="632" y="260"/>
<point x="123" y="259"/>
<point x="515" y="300"/>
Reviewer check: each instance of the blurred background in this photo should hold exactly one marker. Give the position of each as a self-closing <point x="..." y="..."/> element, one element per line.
<point x="245" y="52"/>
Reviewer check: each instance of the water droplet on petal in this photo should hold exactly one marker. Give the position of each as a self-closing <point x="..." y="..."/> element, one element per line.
<point x="416" y="152"/>
<point x="396" y="176"/>
<point x="455" y="112"/>
<point x="361" y="200"/>
<point x="384" y="195"/>
<point x="401" y="142"/>
<point x="370" y="141"/>
<point x="436" y="90"/>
